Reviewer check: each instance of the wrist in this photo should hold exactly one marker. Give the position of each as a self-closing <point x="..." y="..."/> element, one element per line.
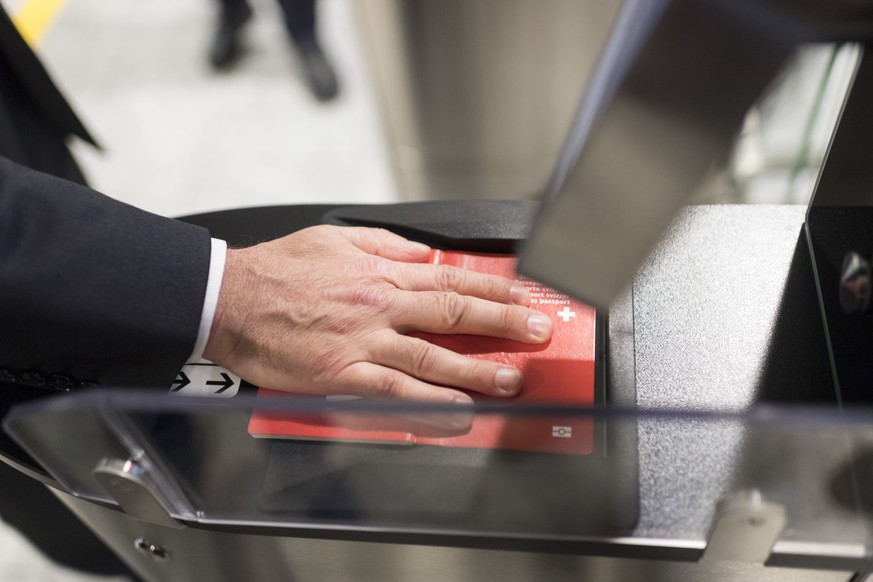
<point x="226" y="332"/>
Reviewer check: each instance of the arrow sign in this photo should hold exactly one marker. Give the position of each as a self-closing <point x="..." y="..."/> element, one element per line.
<point x="225" y="384"/>
<point x="182" y="382"/>
<point x="205" y="379"/>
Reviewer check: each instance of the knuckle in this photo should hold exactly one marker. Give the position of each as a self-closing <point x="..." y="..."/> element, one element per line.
<point x="453" y="309"/>
<point x="376" y="269"/>
<point x="479" y="376"/>
<point x="421" y="357"/>
<point x="497" y="287"/>
<point x="449" y="278"/>
<point x="368" y="264"/>
<point x="325" y="228"/>
<point x="508" y="319"/>
<point x="326" y="364"/>
<point x="488" y="286"/>
<point x="318" y="233"/>
<point x="375" y="296"/>
<point x="390" y="387"/>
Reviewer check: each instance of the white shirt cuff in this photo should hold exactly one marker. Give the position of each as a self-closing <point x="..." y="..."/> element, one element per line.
<point x="210" y="302"/>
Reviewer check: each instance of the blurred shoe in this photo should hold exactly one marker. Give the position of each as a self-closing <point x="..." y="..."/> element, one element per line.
<point x="318" y="71"/>
<point x="225" y="44"/>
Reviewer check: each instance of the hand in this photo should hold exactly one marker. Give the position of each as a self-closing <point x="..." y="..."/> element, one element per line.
<point x="325" y="311"/>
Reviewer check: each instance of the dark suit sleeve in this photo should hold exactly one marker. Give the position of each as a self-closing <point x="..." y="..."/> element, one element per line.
<point x="91" y="289"/>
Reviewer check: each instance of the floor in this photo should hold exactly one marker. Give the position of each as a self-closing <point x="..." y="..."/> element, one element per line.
<point x="179" y="138"/>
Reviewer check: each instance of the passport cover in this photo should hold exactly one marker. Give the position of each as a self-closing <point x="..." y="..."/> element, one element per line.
<point x="559" y="372"/>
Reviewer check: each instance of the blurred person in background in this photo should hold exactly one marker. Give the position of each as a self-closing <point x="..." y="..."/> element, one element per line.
<point x="300" y="21"/>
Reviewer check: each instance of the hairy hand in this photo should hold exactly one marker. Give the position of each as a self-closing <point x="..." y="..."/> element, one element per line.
<point x="326" y="310"/>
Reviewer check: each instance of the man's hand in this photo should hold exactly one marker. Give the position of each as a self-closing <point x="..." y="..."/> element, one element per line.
<point x="325" y="311"/>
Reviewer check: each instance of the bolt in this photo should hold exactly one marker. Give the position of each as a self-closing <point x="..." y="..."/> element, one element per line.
<point x="151" y="550"/>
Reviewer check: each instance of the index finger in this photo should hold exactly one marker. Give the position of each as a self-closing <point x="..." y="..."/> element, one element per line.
<point x="427" y="277"/>
<point x="384" y="243"/>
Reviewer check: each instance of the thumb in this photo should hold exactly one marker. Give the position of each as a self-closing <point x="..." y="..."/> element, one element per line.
<point x="382" y="243"/>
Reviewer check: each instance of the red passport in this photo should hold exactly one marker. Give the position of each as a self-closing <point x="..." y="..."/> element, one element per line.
<point x="560" y="372"/>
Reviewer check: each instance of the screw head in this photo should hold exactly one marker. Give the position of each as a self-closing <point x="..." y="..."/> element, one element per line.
<point x="151" y="550"/>
<point x="855" y="283"/>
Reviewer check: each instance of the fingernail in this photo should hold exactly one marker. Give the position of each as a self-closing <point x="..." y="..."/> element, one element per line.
<point x="461" y="421"/>
<point x="462" y="399"/>
<point x="508" y="380"/>
<point x="519" y="295"/>
<point x="419" y="247"/>
<point x="540" y="326"/>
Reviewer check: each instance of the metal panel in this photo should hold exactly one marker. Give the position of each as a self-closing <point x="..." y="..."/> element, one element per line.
<point x="477" y="95"/>
<point x="185" y="555"/>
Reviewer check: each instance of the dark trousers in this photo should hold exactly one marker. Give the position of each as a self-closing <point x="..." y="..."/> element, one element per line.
<point x="299" y="15"/>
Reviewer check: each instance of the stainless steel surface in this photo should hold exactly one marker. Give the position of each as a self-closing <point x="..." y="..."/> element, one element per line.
<point x="746" y="528"/>
<point x="476" y="96"/>
<point x="661" y="111"/>
<point x="725" y="317"/>
<point x="220" y="556"/>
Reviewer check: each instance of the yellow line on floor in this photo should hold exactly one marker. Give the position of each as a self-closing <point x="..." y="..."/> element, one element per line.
<point x="35" y="17"/>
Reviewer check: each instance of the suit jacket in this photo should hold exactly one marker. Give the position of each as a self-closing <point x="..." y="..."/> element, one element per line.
<point x="91" y="290"/>
<point x="35" y="119"/>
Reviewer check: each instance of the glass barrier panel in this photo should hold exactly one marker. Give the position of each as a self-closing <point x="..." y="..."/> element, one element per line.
<point x="536" y="471"/>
